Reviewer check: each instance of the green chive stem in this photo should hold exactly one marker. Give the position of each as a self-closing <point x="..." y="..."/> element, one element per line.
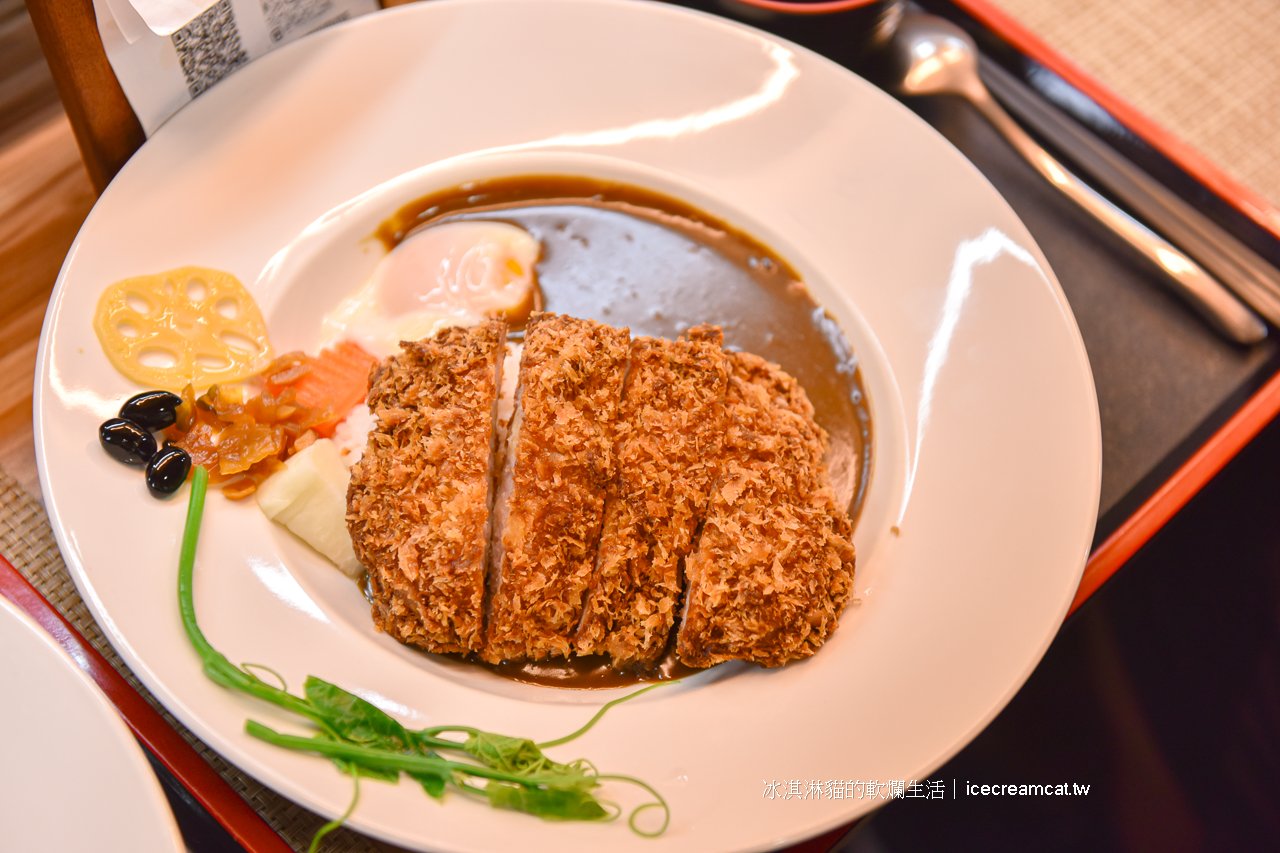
<point x="591" y="722"/>
<point x="407" y="762"/>
<point x="334" y="824"/>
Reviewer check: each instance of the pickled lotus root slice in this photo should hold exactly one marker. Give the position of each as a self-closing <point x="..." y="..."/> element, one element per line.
<point x="186" y="325"/>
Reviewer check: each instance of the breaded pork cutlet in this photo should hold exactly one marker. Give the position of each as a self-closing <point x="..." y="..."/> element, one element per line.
<point x="549" y="509"/>
<point x="418" y="504"/>
<point x="773" y="566"/>
<point x="668" y="441"/>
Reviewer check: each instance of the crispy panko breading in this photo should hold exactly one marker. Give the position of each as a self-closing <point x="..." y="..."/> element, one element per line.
<point x="773" y="567"/>
<point x="418" y="503"/>
<point x="668" y="440"/>
<point x="550" y="515"/>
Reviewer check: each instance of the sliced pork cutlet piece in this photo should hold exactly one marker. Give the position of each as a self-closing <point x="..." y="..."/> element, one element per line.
<point x="551" y="503"/>
<point x="773" y="566"/>
<point x="419" y="500"/>
<point x="668" y="442"/>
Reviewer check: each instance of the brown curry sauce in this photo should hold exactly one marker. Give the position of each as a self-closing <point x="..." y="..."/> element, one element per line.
<point x="631" y="257"/>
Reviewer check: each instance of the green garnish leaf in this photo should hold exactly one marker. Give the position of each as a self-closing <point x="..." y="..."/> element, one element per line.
<point x="433" y="783"/>
<point x="515" y="755"/>
<point x="506" y="753"/>
<point x="353" y="718"/>
<point x="547" y="804"/>
<point x="364" y="741"/>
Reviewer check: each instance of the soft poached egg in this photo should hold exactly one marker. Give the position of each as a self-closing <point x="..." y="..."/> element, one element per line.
<point x="451" y="274"/>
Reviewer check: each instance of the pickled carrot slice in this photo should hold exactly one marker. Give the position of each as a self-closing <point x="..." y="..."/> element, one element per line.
<point x="337" y="381"/>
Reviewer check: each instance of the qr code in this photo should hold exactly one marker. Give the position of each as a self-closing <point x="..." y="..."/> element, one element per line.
<point x="285" y="16"/>
<point x="209" y="47"/>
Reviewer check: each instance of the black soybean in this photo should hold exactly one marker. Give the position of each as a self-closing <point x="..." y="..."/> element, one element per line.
<point x="153" y="410"/>
<point x="168" y="470"/>
<point x="126" y="441"/>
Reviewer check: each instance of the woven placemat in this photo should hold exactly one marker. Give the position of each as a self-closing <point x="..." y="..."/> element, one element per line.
<point x="1208" y="71"/>
<point x="27" y="541"/>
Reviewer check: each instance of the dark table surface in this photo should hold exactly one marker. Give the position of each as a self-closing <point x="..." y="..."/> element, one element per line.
<point x="1161" y="694"/>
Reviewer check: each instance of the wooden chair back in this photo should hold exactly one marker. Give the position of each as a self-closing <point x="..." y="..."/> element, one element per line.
<point x="105" y="126"/>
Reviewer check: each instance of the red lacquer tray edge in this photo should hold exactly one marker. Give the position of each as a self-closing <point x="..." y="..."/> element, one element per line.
<point x="1260" y="409"/>
<point x="1186" y="157"/>
<point x="1212" y="456"/>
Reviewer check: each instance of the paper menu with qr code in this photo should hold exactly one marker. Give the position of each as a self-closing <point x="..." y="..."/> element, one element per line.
<point x="160" y="74"/>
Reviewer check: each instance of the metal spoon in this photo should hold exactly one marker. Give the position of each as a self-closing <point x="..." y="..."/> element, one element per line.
<point x="928" y="55"/>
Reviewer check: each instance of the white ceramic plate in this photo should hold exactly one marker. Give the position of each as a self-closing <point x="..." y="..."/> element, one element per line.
<point x="74" y="778"/>
<point x="985" y="489"/>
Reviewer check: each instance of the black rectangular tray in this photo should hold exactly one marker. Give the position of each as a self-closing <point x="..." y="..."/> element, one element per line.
<point x="1165" y="381"/>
